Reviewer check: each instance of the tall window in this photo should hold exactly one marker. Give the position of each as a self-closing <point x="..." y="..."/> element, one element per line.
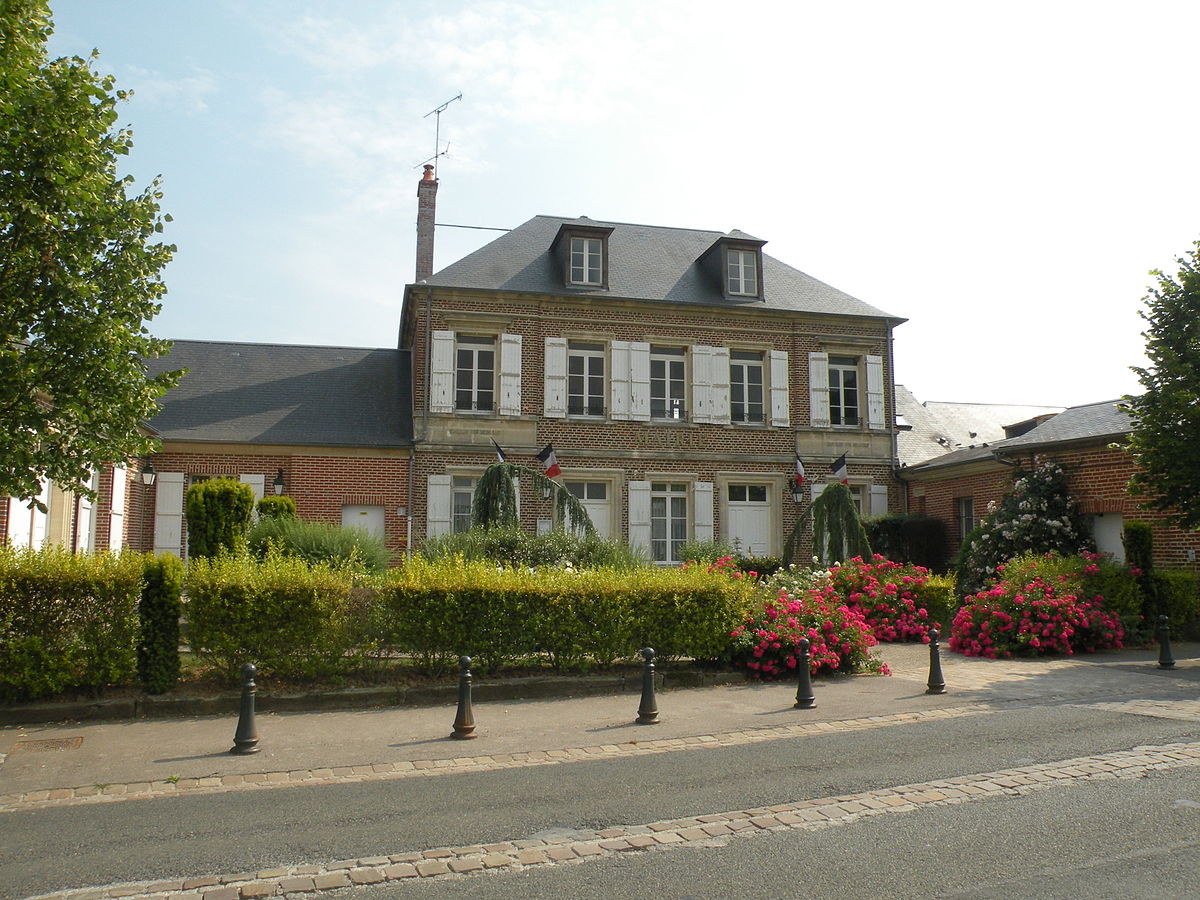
<point x="745" y="386"/>
<point x="966" y="515"/>
<point x="667" y="384"/>
<point x="668" y="521"/>
<point x="742" y="271"/>
<point x="462" y="492"/>
<point x="585" y="379"/>
<point x="587" y="261"/>
<point x="843" y="390"/>
<point x="475" y="374"/>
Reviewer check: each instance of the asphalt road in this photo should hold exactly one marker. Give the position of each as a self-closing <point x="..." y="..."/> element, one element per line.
<point x="1119" y="837"/>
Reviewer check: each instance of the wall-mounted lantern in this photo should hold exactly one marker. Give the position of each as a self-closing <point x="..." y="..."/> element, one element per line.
<point x="278" y="482"/>
<point x="148" y="474"/>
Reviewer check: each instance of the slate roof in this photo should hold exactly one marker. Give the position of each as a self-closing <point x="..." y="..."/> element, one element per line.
<point x="1091" y="422"/>
<point x="286" y="394"/>
<point x="939" y="428"/>
<point x="646" y="262"/>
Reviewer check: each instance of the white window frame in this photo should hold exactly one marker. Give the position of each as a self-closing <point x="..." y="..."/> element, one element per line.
<point x="585" y="266"/>
<point x="741" y="272"/>
<point x="964" y="514"/>
<point x="671" y="495"/>
<point x="747" y="360"/>
<point x="475" y="345"/>
<point x="664" y="405"/>
<point x="589" y="482"/>
<point x="461" y="485"/>
<point x="588" y="400"/>
<point x="842" y="413"/>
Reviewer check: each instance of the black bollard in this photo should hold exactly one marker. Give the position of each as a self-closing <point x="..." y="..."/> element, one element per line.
<point x="464" y="719"/>
<point x="648" y="710"/>
<point x="805" y="699"/>
<point x="1165" y="659"/>
<point x="937" y="684"/>
<point x="245" y="739"/>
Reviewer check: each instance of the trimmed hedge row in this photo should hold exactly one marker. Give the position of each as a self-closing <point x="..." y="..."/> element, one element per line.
<point x="67" y="621"/>
<point x="297" y="620"/>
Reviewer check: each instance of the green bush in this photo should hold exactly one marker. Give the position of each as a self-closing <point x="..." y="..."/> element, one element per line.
<point x="1179" y="593"/>
<point x="66" y="621"/>
<point x="218" y="516"/>
<point x="439" y="609"/>
<point x="319" y="542"/>
<point x="291" y="618"/>
<point x="507" y="546"/>
<point x="158" y="614"/>
<point x="706" y="551"/>
<point x="762" y="566"/>
<point x="909" y="538"/>
<point x="277" y="507"/>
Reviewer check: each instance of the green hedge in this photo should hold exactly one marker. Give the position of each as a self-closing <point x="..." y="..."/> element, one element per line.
<point x="290" y="618"/>
<point x="67" y="621"/>
<point x="1178" y="592"/>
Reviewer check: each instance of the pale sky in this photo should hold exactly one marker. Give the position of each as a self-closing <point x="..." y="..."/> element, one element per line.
<point x="1003" y="175"/>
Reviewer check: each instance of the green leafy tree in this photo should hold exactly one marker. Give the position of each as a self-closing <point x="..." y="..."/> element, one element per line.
<point x="1166" y="418"/>
<point x="495" y="500"/>
<point x="79" y="267"/>
<point x="837" y="528"/>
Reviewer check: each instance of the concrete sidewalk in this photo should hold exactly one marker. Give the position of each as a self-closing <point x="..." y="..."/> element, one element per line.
<point x="143" y="753"/>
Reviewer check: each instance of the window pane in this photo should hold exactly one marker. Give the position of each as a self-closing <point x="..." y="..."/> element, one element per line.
<point x="737" y="492"/>
<point x="757" y="493"/>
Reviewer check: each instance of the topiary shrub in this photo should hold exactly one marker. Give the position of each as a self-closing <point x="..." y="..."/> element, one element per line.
<point x="1037" y="515"/>
<point x="218" y="516"/>
<point x="277" y="507"/>
<point x="319" y="542"/>
<point x="158" y="615"/>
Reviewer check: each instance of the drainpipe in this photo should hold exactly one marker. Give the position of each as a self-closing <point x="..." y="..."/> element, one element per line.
<point x="894" y="432"/>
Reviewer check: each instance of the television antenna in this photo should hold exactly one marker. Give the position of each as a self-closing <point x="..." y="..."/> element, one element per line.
<point x="437" y="134"/>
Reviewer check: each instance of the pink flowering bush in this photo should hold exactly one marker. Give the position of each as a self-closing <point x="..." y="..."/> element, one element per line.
<point x="766" y="645"/>
<point x="895" y="599"/>
<point x="1040" y="606"/>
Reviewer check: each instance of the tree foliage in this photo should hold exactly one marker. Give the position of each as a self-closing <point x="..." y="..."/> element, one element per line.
<point x="79" y="267"/>
<point x="838" y="532"/>
<point x="495" y="500"/>
<point x="1166" y="417"/>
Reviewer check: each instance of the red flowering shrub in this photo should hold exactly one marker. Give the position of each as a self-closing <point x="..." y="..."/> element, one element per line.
<point x="767" y="644"/>
<point x="1039" y="617"/>
<point x="894" y="599"/>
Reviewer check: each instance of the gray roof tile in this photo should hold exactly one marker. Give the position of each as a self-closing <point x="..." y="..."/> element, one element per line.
<point x="646" y="262"/>
<point x="286" y="394"/>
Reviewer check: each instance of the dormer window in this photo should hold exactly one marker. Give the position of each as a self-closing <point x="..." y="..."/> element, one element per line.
<point x="587" y="261"/>
<point x="741" y="268"/>
<point x="581" y="249"/>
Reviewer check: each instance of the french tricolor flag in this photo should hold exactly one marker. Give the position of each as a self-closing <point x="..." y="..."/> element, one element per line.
<point x="549" y="461"/>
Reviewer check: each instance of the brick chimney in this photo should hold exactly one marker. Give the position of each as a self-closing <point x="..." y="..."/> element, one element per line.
<point x="426" y="205"/>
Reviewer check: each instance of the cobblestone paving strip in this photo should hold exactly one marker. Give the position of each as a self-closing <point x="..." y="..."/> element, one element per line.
<point x="701" y="831"/>
<point x="1186" y="710"/>
<point x="434" y="767"/>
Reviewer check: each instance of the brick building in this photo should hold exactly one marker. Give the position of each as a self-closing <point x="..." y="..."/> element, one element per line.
<point x="957" y="487"/>
<point x="677" y="373"/>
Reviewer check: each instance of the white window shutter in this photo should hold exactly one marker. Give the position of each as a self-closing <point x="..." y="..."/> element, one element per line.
<point x="554" y="390"/>
<point x="437" y="506"/>
<point x="37" y="535"/>
<point x="879" y="500"/>
<point x="85" y="535"/>
<point x="718" y="409"/>
<point x="116" y="515"/>
<point x="257" y="483"/>
<point x="701" y="384"/>
<point x="639" y="514"/>
<point x="618" y="407"/>
<point x="168" y="513"/>
<point x="19" y="521"/>
<point x="639" y="381"/>
<point x="818" y="390"/>
<point x="875" y="392"/>
<point x="702" y="510"/>
<point x="441" y="373"/>
<point x="510" y="374"/>
<point x="780" y="394"/>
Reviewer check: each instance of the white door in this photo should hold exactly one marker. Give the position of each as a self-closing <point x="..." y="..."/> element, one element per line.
<point x="748" y="525"/>
<point x="594" y="497"/>
<point x="369" y="518"/>
<point x="1107" y="531"/>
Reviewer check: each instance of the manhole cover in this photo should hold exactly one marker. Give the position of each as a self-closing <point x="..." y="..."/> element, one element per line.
<point x="47" y="746"/>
